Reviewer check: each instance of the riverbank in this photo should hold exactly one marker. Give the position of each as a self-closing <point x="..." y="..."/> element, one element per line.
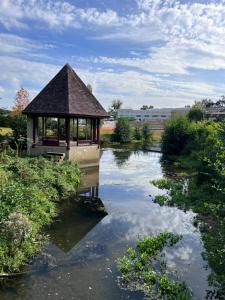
<point x="30" y="190"/>
<point x="194" y="191"/>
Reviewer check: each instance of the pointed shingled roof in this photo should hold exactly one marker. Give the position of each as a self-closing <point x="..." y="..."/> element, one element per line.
<point x="66" y="95"/>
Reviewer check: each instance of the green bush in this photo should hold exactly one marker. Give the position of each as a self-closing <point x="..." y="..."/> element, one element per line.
<point x="184" y="137"/>
<point x="29" y="191"/>
<point x="137" y="132"/>
<point x="175" y="136"/>
<point x="122" y="133"/>
<point x="146" y="133"/>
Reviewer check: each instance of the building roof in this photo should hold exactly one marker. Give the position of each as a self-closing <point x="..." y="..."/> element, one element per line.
<point x="66" y="95"/>
<point x="153" y="110"/>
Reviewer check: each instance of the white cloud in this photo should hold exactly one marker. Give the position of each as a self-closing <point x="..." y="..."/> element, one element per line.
<point x="19" y="72"/>
<point x="14" y="44"/>
<point x="134" y="88"/>
<point x="189" y="36"/>
<point x="56" y="14"/>
<point x="192" y="35"/>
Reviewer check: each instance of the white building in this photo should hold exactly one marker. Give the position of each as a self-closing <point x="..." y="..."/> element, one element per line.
<point x="155" y="114"/>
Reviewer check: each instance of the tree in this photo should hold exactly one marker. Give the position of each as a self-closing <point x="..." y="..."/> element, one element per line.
<point x="18" y="120"/>
<point x="195" y="114"/>
<point x="21" y="102"/>
<point x="122" y="131"/>
<point x="137" y="132"/>
<point x="146" y="132"/>
<point x="89" y="86"/>
<point x="116" y="104"/>
<point x="4" y="117"/>
<point x="203" y="104"/>
<point x="145" y="107"/>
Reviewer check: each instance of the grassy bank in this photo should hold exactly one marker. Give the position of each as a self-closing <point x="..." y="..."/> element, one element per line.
<point x="30" y="189"/>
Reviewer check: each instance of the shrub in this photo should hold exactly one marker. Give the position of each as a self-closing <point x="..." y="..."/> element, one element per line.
<point x="122" y="131"/>
<point x="184" y="137"/>
<point x="137" y="132"/>
<point x="29" y="191"/>
<point x="146" y="132"/>
<point x="175" y="136"/>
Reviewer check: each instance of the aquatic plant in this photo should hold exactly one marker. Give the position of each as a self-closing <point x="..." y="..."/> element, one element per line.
<point x="140" y="270"/>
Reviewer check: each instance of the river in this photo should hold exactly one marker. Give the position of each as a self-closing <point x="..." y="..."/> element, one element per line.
<point x="83" y="246"/>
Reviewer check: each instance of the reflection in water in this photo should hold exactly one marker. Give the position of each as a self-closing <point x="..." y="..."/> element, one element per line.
<point x="87" y="243"/>
<point x="81" y="213"/>
<point x="121" y="156"/>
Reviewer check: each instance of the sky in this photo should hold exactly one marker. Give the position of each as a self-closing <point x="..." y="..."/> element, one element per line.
<point x="165" y="53"/>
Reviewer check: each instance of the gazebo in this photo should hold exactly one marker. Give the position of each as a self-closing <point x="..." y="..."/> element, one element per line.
<point x="64" y="118"/>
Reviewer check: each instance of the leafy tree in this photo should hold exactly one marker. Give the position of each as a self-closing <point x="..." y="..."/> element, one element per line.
<point x="145" y="107"/>
<point x="146" y="132"/>
<point x="204" y="103"/>
<point x="21" y="102"/>
<point x="137" y="132"/>
<point x="214" y="155"/>
<point x="195" y="114"/>
<point x="89" y="86"/>
<point x="122" y="131"/>
<point x="4" y="118"/>
<point x="19" y="126"/>
<point x="116" y="104"/>
<point x="221" y="102"/>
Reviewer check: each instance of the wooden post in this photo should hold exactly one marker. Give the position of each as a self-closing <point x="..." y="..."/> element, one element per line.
<point x="58" y="129"/>
<point x="68" y="133"/>
<point x="34" y="132"/>
<point x="77" y="132"/>
<point x="94" y="130"/>
<point x="91" y="131"/>
<point x="98" y="131"/>
<point x="96" y="191"/>
<point x="45" y="133"/>
<point x="86" y="129"/>
<point x="43" y="128"/>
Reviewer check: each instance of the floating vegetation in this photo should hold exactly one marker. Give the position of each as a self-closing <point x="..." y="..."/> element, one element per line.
<point x="144" y="269"/>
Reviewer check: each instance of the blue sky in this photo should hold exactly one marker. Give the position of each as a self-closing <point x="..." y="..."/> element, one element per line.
<point x="167" y="53"/>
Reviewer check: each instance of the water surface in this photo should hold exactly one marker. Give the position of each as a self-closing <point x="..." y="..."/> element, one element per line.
<point x="83" y="245"/>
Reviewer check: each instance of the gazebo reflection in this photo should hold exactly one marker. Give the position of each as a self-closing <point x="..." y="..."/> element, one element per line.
<point x="77" y="216"/>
